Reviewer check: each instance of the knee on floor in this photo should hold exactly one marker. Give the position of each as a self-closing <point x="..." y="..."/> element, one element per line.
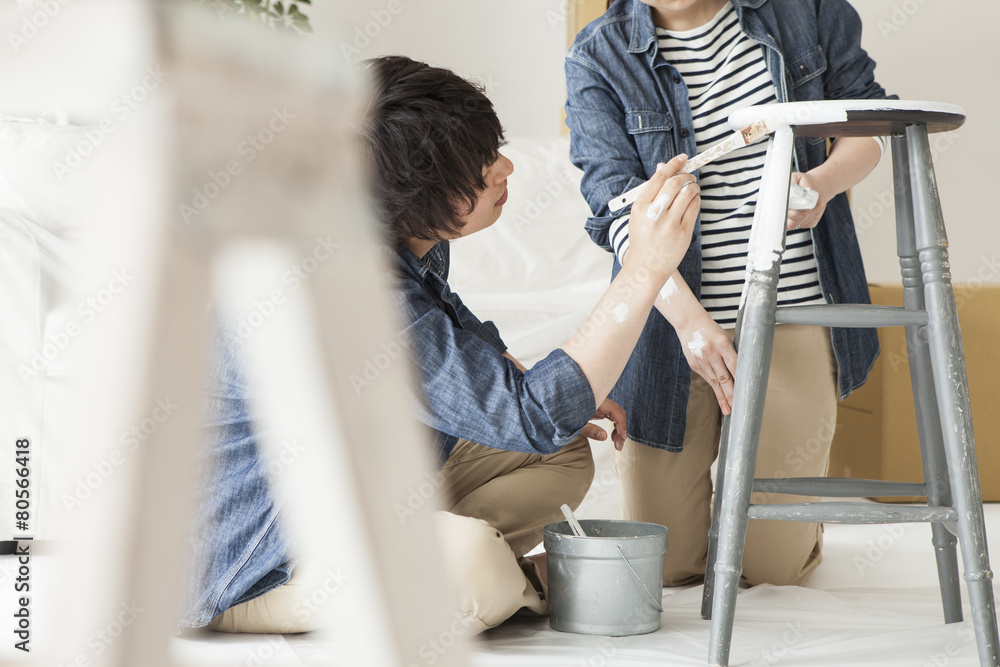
<point x="682" y="569"/>
<point x="484" y="573"/>
<point x="781" y="567"/>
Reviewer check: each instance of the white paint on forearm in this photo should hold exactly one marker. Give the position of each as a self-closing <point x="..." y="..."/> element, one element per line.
<point x="620" y="313"/>
<point x="669" y="289"/>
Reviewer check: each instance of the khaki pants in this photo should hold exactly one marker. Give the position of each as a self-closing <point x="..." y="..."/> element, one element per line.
<point x="675" y="489"/>
<point x="498" y="502"/>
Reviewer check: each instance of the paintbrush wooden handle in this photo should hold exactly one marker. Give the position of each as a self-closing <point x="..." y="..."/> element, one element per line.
<point x="799" y="197"/>
<point x="748" y="135"/>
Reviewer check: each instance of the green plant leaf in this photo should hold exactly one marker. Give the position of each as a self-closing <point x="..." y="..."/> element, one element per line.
<point x="284" y="14"/>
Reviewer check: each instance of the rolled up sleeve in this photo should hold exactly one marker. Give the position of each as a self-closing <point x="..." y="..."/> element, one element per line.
<point x="471" y="391"/>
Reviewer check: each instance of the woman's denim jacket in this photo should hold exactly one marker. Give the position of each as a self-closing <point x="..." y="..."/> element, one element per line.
<point x="628" y="109"/>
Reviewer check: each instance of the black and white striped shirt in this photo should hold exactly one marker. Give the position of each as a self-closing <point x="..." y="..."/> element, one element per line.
<point x="723" y="70"/>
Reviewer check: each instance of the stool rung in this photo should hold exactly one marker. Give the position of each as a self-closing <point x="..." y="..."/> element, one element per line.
<point x="860" y="315"/>
<point x="853" y="513"/>
<point x="839" y="487"/>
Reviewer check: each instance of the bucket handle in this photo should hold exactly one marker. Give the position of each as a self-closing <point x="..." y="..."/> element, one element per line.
<point x="656" y="603"/>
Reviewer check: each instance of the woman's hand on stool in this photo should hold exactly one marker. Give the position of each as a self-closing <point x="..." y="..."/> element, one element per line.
<point x="709" y="353"/>
<point x="808" y="218"/>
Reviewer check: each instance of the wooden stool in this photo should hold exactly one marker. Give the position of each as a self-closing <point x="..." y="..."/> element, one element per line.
<point x="937" y="367"/>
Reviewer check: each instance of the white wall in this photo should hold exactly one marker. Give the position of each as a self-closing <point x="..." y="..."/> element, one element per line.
<point x="947" y="52"/>
<point x="515" y="47"/>
<point x="925" y="49"/>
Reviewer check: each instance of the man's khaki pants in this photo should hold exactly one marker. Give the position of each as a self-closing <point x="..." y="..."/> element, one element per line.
<point x="497" y="504"/>
<point x="675" y="489"/>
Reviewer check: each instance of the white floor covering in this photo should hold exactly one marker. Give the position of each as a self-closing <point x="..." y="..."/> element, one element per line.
<point x="873" y="601"/>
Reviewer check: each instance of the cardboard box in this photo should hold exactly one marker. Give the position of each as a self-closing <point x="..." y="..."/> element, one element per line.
<point x="876" y="434"/>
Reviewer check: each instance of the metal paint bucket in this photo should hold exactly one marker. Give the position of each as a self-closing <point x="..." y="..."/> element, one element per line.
<point x="608" y="583"/>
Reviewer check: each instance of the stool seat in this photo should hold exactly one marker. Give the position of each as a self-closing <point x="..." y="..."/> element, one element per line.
<point x="852" y="118"/>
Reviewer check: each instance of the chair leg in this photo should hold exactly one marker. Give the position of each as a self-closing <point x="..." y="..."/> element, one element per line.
<point x="935" y="472"/>
<point x="708" y="591"/>
<point x="951" y="385"/>
<point x="922" y="384"/>
<point x="744" y="432"/>
<point x="757" y="319"/>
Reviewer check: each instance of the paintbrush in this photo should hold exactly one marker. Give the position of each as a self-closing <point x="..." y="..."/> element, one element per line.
<point x="748" y="135"/>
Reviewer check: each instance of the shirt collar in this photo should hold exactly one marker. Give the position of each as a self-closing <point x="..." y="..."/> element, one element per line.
<point x="643" y="30"/>
<point x="434" y="261"/>
<point x="643" y="35"/>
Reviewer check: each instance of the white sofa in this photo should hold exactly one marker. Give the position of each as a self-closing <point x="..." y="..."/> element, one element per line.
<point x="40" y="254"/>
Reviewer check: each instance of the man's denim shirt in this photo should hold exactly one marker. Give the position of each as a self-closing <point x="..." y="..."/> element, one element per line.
<point x="238" y="549"/>
<point x="469" y="389"/>
<point x="628" y="109"/>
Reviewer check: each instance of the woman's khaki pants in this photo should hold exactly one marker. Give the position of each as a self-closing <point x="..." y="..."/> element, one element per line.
<point x="675" y="489"/>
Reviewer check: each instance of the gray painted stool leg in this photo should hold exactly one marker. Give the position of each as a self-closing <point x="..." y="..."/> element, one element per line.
<point x="922" y="383"/>
<point x="951" y="384"/>
<point x="708" y="591"/>
<point x="748" y="407"/>
<point x="767" y="243"/>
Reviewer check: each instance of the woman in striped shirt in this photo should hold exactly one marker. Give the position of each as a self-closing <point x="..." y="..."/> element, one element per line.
<point x="652" y="78"/>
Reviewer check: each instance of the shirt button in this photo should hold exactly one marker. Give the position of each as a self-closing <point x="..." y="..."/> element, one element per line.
<point x="677" y="78"/>
<point x="685" y="133"/>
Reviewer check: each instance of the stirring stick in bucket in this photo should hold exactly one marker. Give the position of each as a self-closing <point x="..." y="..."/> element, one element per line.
<point x="573" y="523"/>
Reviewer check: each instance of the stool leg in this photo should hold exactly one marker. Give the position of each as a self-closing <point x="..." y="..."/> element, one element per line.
<point x="708" y="590"/>
<point x="922" y="383"/>
<point x="951" y="384"/>
<point x="767" y="243"/>
<point x="744" y="432"/>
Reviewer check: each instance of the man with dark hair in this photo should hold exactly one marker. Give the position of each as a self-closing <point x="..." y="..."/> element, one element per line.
<point x="429" y="135"/>
<point x="513" y="441"/>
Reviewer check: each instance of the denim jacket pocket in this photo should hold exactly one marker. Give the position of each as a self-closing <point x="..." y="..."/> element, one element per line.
<point x="807" y="67"/>
<point x="638" y="122"/>
<point x="804" y="73"/>
<point x="652" y="133"/>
